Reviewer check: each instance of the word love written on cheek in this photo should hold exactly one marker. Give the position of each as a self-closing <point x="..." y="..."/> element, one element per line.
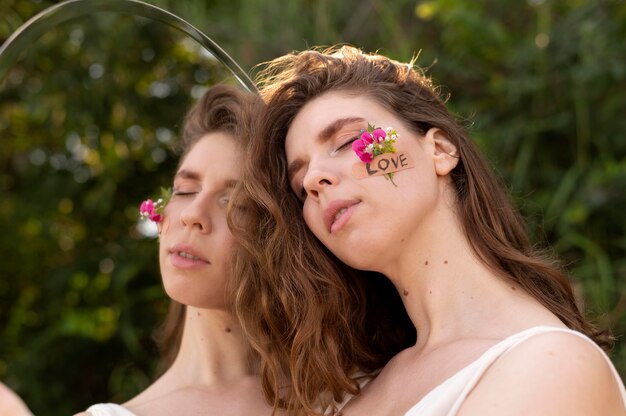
<point x="383" y="164"/>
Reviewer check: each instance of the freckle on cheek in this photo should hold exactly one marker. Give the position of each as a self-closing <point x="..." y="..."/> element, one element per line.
<point x="426" y="263"/>
<point x="228" y="329"/>
<point x="405" y="293"/>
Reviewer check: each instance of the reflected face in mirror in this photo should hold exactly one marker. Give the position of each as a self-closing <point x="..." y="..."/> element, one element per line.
<point x="90" y="101"/>
<point x="196" y="244"/>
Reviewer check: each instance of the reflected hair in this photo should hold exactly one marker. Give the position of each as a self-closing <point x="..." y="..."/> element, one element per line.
<point x="224" y="109"/>
<point x="311" y="317"/>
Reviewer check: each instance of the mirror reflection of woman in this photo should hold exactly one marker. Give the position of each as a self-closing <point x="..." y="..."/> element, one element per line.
<point x="211" y="366"/>
<point x="498" y="328"/>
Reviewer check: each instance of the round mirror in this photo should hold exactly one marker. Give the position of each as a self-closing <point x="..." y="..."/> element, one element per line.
<point x="92" y="95"/>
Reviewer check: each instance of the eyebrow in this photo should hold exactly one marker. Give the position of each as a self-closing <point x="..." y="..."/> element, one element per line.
<point x="330" y="130"/>
<point x="194" y="176"/>
<point x="323" y="136"/>
<point x="187" y="174"/>
<point x="230" y="183"/>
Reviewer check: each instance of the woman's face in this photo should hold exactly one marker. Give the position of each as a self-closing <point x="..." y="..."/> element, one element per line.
<point x="195" y="241"/>
<point x="365" y="222"/>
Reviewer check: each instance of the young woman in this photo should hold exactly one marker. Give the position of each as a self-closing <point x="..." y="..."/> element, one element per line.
<point x="210" y="363"/>
<point x="498" y="329"/>
<point x="213" y="367"/>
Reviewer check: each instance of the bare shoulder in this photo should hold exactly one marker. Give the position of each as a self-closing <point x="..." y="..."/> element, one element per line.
<point x="549" y="374"/>
<point x="11" y="403"/>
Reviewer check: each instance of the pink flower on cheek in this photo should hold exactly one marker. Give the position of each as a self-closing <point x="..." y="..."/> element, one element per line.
<point x="379" y="135"/>
<point x="366" y="137"/>
<point x="375" y="142"/>
<point x="359" y="146"/>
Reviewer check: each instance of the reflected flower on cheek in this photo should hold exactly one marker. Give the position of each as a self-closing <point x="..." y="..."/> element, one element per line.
<point x="154" y="210"/>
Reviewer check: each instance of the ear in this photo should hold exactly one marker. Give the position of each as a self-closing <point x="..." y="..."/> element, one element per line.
<point x="445" y="153"/>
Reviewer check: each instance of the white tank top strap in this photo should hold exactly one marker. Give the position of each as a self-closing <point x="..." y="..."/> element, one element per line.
<point x="447" y="398"/>
<point x="109" y="409"/>
<point x="511" y="342"/>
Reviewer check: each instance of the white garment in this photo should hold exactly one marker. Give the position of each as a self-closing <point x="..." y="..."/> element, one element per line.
<point x="109" y="409"/>
<point x="447" y="398"/>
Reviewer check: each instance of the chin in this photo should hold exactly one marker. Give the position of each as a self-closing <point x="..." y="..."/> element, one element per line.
<point x="195" y="302"/>
<point x="359" y="252"/>
<point x="195" y="296"/>
<point x="358" y="263"/>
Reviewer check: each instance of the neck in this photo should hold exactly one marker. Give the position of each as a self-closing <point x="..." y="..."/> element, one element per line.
<point x="448" y="292"/>
<point x="213" y="350"/>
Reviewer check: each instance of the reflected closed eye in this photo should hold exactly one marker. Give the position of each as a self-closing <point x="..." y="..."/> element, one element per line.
<point x="180" y="193"/>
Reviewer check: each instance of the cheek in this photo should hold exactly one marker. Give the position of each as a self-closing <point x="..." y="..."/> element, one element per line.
<point x="223" y="230"/>
<point x="163" y="227"/>
<point x="162" y="259"/>
<point x="168" y="214"/>
<point x="227" y="243"/>
<point x="313" y="221"/>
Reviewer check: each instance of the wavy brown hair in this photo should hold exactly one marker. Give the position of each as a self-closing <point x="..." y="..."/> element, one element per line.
<point x="308" y="315"/>
<point x="221" y="109"/>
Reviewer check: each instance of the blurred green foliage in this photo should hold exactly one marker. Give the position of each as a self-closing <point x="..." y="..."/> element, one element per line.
<point x="89" y="114"/>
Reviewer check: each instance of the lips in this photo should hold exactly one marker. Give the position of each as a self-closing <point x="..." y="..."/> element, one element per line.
<point x="337" y="213"/>
<point x="185" y="256"/>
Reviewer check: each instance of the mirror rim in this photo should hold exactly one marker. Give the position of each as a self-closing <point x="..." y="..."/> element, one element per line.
<point x="71" y="9"/>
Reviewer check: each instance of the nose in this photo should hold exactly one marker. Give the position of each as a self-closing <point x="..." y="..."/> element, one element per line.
<point x="197" y="215"/>
<point x="318" y="178"/>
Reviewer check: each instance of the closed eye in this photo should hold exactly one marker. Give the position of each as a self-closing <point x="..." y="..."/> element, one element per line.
<point x="347" y="144"/>
<point x="181" y="193"/>
<point x="297" y="187"/>
<point x="224" y="200"/>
